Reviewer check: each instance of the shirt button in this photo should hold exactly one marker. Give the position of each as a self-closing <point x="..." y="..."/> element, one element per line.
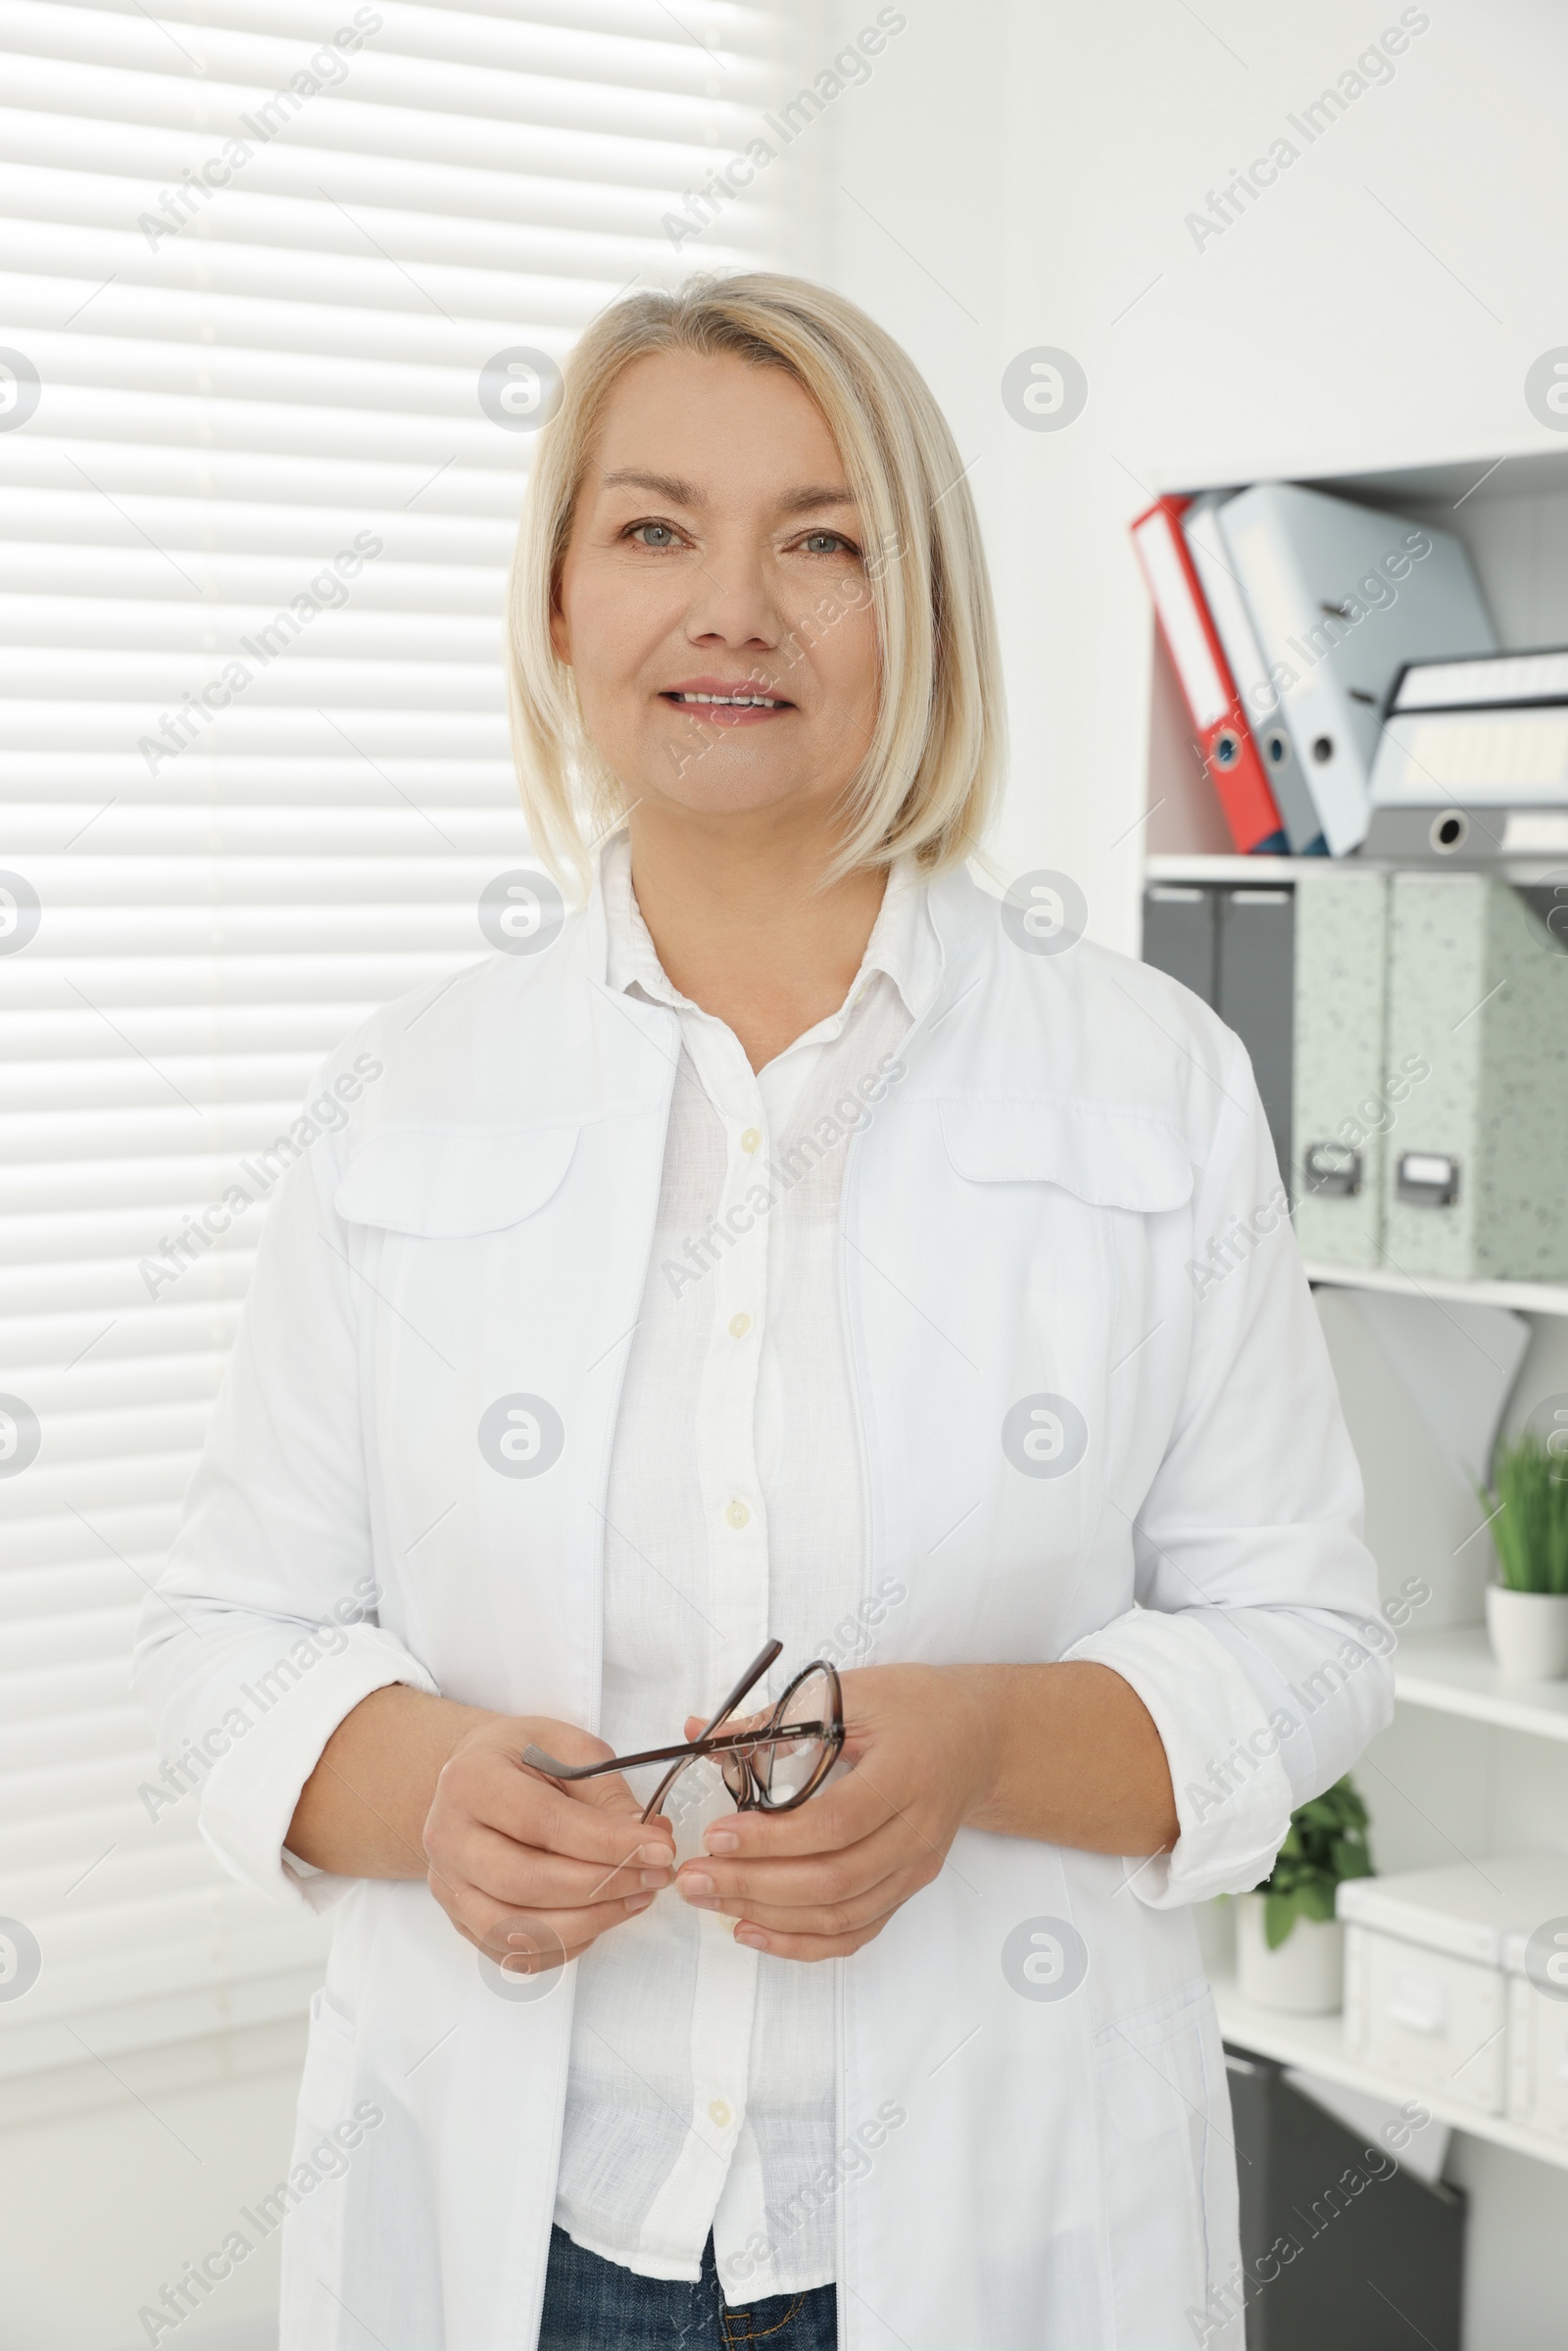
<point x="739" y="1325"/>
<point x="737" y="1515"/>
<point x="751" y="1138"/>
<point x="719" y="2113"/>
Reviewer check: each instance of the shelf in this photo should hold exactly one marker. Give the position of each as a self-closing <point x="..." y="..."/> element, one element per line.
<point x="1165" y="866"/>
<point x="1267" y="872"/>
<point x="1316" y="2043"/>
<point x="1525" y="1298"/>
<point x="1451" y="1672"/>
<point x="1526" y="472"/>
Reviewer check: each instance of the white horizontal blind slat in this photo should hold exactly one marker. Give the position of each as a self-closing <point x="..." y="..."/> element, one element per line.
<point x="238" y="379"/>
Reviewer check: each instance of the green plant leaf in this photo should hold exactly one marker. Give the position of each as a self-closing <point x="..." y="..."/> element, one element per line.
<point x="1326" y="1840"/>
<point x="1528" y="1511"/>
<point x="1279" y="1916"/>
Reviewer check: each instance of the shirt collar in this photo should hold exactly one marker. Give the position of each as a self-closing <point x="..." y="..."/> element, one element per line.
<point x="903" y="943"/>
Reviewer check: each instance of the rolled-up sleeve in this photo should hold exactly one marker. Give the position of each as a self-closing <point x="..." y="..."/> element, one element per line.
<point x="262" y="1633"/>
<point x="1256" y="1642"/>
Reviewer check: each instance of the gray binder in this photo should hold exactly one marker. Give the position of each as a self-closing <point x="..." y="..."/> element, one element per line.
<point x="1179" y="934"/>
<point x="1232" y="947"/>
<point x="1341" y="1111"/>
<point x="1255" y="984"/>
<point x="1475" y="1179"/>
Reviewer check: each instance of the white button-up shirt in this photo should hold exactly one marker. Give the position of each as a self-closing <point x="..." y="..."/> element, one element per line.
<point x="701" y="2086"/>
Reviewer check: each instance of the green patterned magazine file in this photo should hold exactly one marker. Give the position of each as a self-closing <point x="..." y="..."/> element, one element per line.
<point x="1475" y="1180"/>
<point x="1341" y="1111"/>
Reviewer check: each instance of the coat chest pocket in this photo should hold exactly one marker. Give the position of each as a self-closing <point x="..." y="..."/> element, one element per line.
<point x="1050" y="1214"/>
<point x="439" y="1184"/>
<point x="1053" y="1199"/>
<point x="453" y="1223"/>
<point x="473" y="1284"/>
<point x="447" y="1219"/>
<point x="1105" y="1155"/>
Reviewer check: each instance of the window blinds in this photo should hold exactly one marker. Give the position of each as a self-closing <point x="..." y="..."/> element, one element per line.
<point x="263" y="264"/>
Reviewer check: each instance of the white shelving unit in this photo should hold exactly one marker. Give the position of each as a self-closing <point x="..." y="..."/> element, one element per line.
<point x="1525" y="1298"/>
<point x="1450" y="1672"/>
<point x="1496" y="1777"/>
<point x="1316" y="2044"/>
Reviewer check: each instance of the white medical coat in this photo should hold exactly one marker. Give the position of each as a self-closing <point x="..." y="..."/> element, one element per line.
<point x="1068" y="1192"/>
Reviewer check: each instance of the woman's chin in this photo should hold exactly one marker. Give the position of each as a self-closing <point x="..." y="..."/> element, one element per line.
<point x="739" y="797"/>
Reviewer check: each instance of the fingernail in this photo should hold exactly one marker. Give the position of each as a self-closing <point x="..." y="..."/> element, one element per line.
<point x="721" y="1840"/>
<point x="653" y="1877"/>
<point x="696" y="1882"/>
<point x="638" y="1902"/>
<point x="660" y="1851"/>
<point x="753" y="1937"/>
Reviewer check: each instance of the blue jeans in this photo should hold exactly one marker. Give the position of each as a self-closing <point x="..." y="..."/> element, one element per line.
<point x="596" y="2304"/>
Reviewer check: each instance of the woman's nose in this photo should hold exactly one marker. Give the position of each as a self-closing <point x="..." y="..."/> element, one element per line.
<point x="733" y="605"/>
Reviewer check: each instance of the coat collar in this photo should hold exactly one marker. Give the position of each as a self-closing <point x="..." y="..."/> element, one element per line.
<point x="904" y="941"/>
<point x="526" y="1040"/>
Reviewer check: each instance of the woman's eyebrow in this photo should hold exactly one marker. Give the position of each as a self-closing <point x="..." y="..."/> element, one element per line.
<point x="800" y="502"/>
<point x="684" y="493"/>
<point x="661" y="485"/>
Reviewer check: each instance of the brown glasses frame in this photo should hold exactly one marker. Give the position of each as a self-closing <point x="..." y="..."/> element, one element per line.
<point x="742" y="1744"/>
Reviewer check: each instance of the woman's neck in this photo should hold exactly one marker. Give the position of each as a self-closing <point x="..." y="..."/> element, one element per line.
<point x="743" y="927"/>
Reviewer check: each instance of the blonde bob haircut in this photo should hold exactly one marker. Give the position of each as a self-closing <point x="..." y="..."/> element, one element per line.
<point x="927" y="784"/>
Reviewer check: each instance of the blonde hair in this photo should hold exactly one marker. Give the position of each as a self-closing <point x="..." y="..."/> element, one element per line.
<point x="926" y="786"/>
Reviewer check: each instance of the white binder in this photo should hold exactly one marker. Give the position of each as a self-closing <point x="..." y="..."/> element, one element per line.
<point x="1341" y="596"/>
<point x="1233" y="623"/>
<point x="1488" y="733"/>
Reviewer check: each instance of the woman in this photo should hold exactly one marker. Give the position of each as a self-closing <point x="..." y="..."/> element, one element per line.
<point x="793" y="1242"/>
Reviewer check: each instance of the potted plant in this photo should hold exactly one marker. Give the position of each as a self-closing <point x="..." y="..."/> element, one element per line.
<point x="1527" y="1608"/>
<point x="1290" y="1947"/>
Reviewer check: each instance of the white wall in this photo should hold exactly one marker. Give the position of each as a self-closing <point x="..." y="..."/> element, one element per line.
<point x="1017" y="174"/>
<point x="106" y="2205"/>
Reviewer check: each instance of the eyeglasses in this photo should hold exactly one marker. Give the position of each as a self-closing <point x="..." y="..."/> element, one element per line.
<point x="770" y="1767"/>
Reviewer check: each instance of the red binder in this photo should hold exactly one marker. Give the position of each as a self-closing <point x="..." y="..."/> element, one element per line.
<point x="1215" y="708"/>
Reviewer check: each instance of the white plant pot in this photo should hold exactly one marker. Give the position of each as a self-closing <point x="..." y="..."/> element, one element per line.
<point x="1305" y="1976"/>
<point x="1529" y="1633"/>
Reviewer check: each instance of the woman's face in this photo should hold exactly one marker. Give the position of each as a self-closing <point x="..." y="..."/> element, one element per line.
<point x="714" y="602"/>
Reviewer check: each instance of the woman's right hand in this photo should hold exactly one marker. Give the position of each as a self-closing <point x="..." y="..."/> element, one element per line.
<point x="530" y="1870"/>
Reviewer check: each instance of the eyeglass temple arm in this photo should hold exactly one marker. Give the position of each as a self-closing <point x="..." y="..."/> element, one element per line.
<point x="556" y="1770"/>
<point x="753" y="1675"/>
<point x="749" y="1680"/>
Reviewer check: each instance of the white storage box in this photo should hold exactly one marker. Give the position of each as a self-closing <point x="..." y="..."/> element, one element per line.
<point x="1538" y="2034"/>
<point x="1426" y="1995"/>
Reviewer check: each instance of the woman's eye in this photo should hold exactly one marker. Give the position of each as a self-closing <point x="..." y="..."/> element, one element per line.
<point x="825" y="542"/>
<point x="654" y="534"/>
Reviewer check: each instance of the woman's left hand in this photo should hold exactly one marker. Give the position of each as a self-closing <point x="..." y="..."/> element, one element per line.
<point x="824" y="1879"/>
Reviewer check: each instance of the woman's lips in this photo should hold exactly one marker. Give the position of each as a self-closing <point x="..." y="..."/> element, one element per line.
<point x="717" y="702"/>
